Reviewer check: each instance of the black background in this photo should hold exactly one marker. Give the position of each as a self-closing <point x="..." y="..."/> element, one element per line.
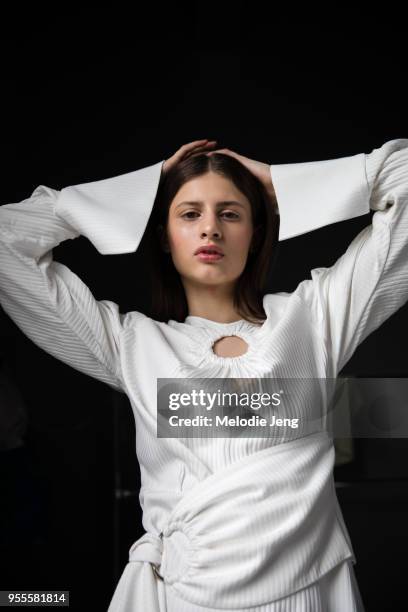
<point x="86" y="96"/>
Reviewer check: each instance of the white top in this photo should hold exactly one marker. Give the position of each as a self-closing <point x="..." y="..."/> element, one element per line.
<point x="311" y="332"/>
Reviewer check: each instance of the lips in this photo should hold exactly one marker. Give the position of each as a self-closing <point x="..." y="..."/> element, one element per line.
<point x="209" y="250"/>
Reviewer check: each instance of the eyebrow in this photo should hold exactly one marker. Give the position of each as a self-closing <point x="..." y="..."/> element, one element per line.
<point x="221" y="203"/>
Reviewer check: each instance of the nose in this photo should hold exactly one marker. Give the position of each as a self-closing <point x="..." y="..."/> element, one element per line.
<point x="210" y="226"/>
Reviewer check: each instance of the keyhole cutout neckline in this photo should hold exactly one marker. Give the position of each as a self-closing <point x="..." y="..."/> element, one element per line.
<point x="226" y="345"/>
<point x="212" y="331"/>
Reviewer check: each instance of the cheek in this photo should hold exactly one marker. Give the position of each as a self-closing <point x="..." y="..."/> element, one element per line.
<point x="240" y="240"/>
<point x="181" y="241"/>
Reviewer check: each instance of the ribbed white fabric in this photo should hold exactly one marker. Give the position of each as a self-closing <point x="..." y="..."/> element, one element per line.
<point x="310" y="333"/>
<point x="336" y="591"/>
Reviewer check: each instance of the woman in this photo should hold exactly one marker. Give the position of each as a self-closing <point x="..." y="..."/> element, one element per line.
<point x="231" y="523"/>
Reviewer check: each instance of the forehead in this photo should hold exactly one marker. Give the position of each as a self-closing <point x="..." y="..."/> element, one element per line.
<point x="209" y="188"/>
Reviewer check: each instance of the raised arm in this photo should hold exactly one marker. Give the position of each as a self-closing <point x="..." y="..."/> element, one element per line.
<point x="369" y="282"/>
<point x="45" y="299"/>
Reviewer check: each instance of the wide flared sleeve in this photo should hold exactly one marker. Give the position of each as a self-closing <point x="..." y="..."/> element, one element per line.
<point x="369" y="282"/>
<point x="49" y="302"/>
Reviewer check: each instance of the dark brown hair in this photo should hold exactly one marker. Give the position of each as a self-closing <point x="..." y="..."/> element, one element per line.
<point x="168" y="295"/>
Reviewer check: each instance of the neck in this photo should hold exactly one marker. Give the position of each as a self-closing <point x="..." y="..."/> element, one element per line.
<point x="214" y="303"/>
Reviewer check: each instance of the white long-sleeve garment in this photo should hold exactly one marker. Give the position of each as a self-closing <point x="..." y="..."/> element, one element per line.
<point x="204" y="550"/>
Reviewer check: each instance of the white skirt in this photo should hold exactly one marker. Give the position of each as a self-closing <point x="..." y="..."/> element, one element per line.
<point x="336" y="591"/>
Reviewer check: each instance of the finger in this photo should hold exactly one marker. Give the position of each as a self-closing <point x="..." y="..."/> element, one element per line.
<point x="204" y="147"/>
<point x="199" y="150"/>
<point x="192" y="145"/>
<point x="225" y="152"/>
<point x="201" y="147"/>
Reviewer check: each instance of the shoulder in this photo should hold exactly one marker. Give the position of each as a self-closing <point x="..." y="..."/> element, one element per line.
<point x="275" y="304"/>
<point x="133" y="318"/>
<point x="276" y="300"/>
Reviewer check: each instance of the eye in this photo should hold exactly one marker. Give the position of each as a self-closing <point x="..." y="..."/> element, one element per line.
<point x="230" y="212"/>
<point x="190" y="212"/>
<point x="194" y="212"/>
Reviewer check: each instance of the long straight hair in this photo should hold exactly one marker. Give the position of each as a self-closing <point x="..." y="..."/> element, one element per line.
<point x="168" y="294"/>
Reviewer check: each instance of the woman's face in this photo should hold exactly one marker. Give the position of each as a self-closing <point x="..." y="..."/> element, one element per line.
<point x="209" y="209"/>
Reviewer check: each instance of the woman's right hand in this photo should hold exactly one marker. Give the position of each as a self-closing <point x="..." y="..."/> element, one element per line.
<point x="186" y="150"/>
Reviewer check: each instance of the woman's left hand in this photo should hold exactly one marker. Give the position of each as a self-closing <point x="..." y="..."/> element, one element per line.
<point x="186" y="151"/>
<point x="259" y="169"/>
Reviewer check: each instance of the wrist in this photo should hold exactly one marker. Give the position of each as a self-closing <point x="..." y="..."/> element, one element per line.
<point x="268" y="181"/>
